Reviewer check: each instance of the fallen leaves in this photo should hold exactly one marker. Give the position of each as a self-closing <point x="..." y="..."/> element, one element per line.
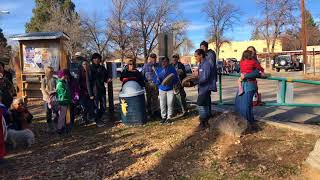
<point x="154" y="151"/>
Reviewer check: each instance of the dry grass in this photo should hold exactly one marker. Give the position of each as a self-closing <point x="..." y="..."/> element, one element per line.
<point x="313" y="77"/>
<point x="155" y="151"/>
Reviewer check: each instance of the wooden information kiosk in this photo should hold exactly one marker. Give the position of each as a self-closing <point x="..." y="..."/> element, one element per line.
<point x="37" y="51"/>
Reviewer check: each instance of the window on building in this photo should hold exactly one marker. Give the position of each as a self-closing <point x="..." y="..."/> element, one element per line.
<point x="264" y="49"/>
<point x="222" y="51"/>
<point x="236" y="50"/>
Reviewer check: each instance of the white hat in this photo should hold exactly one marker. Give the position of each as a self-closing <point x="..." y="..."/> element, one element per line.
<point x="77" y="54"/>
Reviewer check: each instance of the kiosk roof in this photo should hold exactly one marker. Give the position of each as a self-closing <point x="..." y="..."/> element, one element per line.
<point x="39" y="36"/>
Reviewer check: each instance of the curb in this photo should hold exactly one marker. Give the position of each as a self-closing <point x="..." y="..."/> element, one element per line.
<point x="303" y="128"/>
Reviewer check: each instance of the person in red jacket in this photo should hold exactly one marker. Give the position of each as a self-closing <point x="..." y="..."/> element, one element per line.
<point x="247" y="65"/>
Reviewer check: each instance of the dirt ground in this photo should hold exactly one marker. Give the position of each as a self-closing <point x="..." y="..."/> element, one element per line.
<point x="154" y="151"/>
<point x="311" y="76"/>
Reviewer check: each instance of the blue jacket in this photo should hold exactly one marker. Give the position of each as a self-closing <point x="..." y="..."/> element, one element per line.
<point x="162" y="74"/>
<point x="147" y="71"/>
<point x="212" y="57"/>
<point x="207" y="80"/>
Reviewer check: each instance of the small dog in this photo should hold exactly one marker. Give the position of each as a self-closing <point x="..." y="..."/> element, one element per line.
<point x="25" y="137"/>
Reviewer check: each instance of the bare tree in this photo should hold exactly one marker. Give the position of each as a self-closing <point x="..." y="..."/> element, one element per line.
<point x="180" y="35"/>
<point x="97" y="36"/>
<point x="150" y="17"/>
<point x="135" y="45"/>
<point x="290" y="40"/>
<point x="186" y="47"/>
<point x="276" y="17"/>
<point x="119" y="27"/>
<point x="222" y="16"/>
<point x="70" y="23"/>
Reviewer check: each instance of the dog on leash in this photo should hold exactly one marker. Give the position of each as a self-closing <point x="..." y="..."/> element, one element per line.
<point x="25" y="137"/>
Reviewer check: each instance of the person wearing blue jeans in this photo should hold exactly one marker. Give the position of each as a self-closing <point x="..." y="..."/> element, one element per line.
<point x="212" y="58"/>
<point x="243" y="103"/>
<point x="165" y="90"/>
<point x="205" y="86"/>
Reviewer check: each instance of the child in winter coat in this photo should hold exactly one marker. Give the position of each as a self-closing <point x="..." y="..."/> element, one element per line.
<point x="247" y="65"/>
<point x="64" y="101"/>
<point x="20" y="115"/>
<point x="74" y="88"/>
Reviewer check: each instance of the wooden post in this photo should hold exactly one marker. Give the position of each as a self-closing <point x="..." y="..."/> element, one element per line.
<point x="110" y="89"/>
<point x="18" y="65"/>
<point x="64" y="63"/>
<point x="314" y="62"/>
<point x="17" y="68"/>
<point x="304" y="36"/>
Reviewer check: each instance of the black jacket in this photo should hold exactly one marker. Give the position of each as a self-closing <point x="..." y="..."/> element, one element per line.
<point x="212" y="57"/>
<point x="183" y="74"/>
<point x="100" y="76"/>
<point x="132" y="75"/>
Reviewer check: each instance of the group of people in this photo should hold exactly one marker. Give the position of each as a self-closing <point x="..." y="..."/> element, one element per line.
<point x="229" y="66"/>
<point x="250" y="69"/>
<point x="81" y="91"/>
<point x="68" y="95"/>
<point x="163" y="84"/>
<point x="14" y="115"/>
<point x="151" y="78"/>
<point x="163" y="96"/>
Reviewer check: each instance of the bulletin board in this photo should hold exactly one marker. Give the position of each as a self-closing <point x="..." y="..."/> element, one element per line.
<point x="36" y="58"/>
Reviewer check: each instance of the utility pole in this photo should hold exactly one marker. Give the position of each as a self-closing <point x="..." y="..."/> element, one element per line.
<point x="304" y="36"/>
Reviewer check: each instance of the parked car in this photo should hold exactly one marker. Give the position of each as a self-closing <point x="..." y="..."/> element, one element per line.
<point x="232" y="65"/>
<point x="119" y="68"/>
<point x="287" y="62"/>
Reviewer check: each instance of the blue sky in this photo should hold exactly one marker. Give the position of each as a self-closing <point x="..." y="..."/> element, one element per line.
<point x="191" y="10"/>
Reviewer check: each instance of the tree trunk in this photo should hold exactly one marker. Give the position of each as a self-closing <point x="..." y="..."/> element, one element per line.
<point x="145" y="51"/>
<point x="217" y="51"/>
<point x="268" y="58"/>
